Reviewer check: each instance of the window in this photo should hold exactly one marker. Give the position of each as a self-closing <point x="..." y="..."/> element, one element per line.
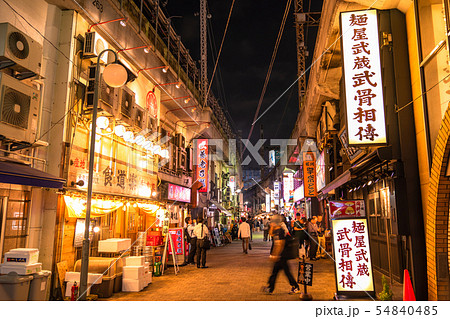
<point x="434" y="63"/>
<point x="15" y="217"/>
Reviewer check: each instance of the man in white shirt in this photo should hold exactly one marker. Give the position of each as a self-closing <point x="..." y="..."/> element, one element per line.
<point x="202" y="234"/>
<point x="244" y="233"/>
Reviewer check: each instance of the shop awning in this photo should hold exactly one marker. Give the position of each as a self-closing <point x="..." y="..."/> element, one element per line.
<point x="16" y="173"/>
<point x="227" y="213"/>
<point x="338" y="181"/>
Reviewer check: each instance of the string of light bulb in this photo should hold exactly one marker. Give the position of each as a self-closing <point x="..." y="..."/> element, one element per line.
<point x="129" y="137"/>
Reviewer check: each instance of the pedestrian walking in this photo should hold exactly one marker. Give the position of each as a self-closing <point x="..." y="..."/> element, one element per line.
<point x="192" y="240"/>
<point x="266" y="224"/>
<point x="244" y="234"/>
<point x="282" y="250"/>
<point x="313" y="238"/>
<point x="202" y="234"/>
<point x="234" y="231"/>
<point x="321" y="237"/>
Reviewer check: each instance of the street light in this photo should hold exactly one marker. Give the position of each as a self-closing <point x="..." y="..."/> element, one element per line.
<point x="114" y="75"/>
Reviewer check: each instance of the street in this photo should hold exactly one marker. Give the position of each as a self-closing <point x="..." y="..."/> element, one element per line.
<point x="232" y="276"/>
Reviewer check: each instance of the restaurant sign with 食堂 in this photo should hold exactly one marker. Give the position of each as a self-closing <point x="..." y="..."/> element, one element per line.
<point x="353" y="263"/>
<point x="366" y="123"/>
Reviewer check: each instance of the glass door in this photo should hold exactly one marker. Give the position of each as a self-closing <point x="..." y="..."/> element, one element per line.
<point x="3" y="205"/>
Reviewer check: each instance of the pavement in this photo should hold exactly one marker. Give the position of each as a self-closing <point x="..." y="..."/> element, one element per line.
<point x="235" y="276"/>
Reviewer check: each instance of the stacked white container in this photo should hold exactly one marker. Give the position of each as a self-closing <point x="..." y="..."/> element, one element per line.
<point x="23" y="261"/>
<point x="134" y="274"/>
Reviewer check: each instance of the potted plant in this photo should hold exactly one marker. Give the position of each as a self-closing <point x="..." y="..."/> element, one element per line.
<point x="386" y="293"/>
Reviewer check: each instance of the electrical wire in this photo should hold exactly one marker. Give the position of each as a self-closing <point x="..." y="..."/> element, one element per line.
<point x="220" y="51"/>
<point x="269" y="71"/>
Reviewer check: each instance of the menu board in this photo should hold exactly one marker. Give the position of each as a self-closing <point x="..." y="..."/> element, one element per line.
<point x="353" y="264"/>
<point x="177" y="235"/>
<point x="347" y="208"/>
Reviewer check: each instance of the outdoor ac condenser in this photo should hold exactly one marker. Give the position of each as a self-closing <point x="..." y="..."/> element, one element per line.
<point x="19" y="109"/>
<point x="19" y="52"/>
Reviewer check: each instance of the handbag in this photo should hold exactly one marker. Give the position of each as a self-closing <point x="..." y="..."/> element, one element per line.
<point x="249" y="246"/>
<point x="205" y="244"/>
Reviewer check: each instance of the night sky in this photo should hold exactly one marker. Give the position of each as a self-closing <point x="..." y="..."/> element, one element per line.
<point x="245" y="58"/>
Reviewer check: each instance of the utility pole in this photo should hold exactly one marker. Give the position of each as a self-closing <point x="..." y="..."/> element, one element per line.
<point x="302" y="19"/>
<point x="203" y="51"/>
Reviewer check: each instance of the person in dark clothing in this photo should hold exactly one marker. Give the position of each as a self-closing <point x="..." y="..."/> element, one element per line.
<point x="234" y="231"/>
<point x="313" y="232"/>
<point x="280" y="254"/>
<point x="192" y="239"/>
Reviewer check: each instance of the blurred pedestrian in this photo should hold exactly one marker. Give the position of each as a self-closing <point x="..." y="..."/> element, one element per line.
<point x="244" y="234"/>
<point x="266" y="224"/>
<point x="202" y="234"/>
<point x="281" y="252"/>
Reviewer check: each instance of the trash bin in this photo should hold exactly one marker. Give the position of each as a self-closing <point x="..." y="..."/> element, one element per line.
<point x="14" y="287"/>
<point x="39" y="286"/>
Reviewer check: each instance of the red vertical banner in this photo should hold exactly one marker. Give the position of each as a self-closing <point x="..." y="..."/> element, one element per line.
<point x="202" y="164"/>
<point x="309" y="174"/>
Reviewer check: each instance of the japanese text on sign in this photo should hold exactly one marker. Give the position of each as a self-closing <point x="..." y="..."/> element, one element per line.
<point x="352" y="255"/>
<point x="309" y="174"/>
<point x="305" y="273"/>
<point x="362" y="74"/>
<point x="202" y="164"/>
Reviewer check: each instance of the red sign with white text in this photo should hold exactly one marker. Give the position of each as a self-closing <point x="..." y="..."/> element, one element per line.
<point x="179" y="193"/>
<point x="202" y="164"/>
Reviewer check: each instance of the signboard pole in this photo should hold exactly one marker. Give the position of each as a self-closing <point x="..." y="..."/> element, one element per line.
<point x="175" y="265"/>
<point x="301" y="279"/>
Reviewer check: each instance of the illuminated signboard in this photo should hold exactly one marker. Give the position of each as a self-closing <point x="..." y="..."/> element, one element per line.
<point x="232" y="184"/>
<point x="309" y="174"/>
<point x="179" y="193"/>
<point x="320" y="171"/>
<point x="152" y="104"/>
<point x="276" y="187"/>
<point x="353" y="265"/>
<point x="202" y="164"/>
<point x="288" y="186"/>
<point x="362" y="75"/>
<point x="299" y="194"/>
<point x="267" y="203"/>
<point x="347" y="208"/>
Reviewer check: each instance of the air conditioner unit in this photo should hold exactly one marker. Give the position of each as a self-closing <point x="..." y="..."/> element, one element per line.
<point x="174" y="158"/>
<point x="140" y="118"/>
<point x="19" y="52"/>
<point x="94" y="44"/>
<point x="125" y="107"/>
<point x="107" y="95"/>
<point x="179" y="140"/>
<point x="189" y="159"/>
<point x="19" y="109"/>
<point x="182" y="159"/>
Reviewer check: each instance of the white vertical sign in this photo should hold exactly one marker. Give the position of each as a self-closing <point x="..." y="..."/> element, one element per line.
<point x="362" y="74"/>
<point x="352" y="255"/>
<point x="267" y="203"/>
<point x="276" y="187"/>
